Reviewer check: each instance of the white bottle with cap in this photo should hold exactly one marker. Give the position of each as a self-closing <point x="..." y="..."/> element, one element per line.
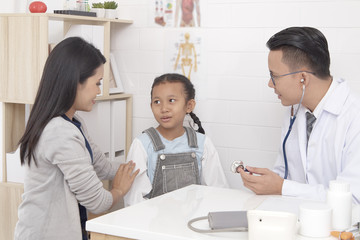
<point x="339" y="198"/>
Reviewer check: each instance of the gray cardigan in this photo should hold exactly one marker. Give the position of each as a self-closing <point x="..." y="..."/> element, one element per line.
<point x="64" y="176"/>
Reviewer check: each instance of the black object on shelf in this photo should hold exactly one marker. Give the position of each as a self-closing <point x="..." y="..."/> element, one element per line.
<point x="75" y="12"/>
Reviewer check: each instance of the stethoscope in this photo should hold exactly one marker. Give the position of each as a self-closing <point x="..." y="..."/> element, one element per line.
<point x="292" y="120"/>
<point x="239" y="164"/>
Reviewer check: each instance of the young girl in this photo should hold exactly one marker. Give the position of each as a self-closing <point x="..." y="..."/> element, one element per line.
<point x="173" y="156"/>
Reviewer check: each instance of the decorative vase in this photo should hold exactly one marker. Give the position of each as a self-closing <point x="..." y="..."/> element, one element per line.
<point x="36" y="6"/>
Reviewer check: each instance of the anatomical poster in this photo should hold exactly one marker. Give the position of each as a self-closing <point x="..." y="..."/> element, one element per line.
<point x="177" y="13"/>
<point x="184" y="54"/>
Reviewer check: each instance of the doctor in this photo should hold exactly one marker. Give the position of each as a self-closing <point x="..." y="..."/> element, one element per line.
<point x="328" y="147"/>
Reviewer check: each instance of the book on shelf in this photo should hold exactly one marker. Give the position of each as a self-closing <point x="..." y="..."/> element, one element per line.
<point x="75" y="12"/>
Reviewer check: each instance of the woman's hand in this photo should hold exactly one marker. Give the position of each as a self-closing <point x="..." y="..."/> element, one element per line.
<point x="123" y="180"/>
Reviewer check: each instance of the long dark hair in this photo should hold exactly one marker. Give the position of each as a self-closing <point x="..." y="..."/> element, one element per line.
<point x="71" y="62"/>
<point x="189" y="91"/>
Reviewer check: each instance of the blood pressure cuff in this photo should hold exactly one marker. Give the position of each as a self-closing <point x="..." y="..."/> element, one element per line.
<point x="232" y="219"/>
<point x="223" y="222"/>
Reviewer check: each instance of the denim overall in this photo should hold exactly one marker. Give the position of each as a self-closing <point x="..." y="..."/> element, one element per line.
<point x="173" y="170"/>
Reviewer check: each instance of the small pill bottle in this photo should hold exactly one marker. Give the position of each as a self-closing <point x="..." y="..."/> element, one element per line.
<point x="339" y="198"/>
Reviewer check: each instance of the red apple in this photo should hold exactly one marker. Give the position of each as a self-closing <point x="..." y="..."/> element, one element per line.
<point x="37" y="7"/>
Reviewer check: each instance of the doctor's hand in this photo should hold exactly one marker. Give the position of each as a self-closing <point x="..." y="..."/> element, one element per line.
<point x="123" y="180"/>
<point x="266" y="182"/>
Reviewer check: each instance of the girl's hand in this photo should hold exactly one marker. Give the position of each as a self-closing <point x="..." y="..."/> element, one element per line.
<point x="123" y="180"/>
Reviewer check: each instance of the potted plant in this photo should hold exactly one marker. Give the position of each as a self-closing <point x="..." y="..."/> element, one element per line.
<point x="98" y="8"/>
<point x="110" y="9"/>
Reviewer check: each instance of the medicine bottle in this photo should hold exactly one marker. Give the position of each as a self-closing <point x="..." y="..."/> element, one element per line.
<point x="339" y="198"/>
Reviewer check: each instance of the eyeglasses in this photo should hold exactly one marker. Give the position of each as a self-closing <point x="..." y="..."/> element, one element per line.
<point x="274" y="77"/>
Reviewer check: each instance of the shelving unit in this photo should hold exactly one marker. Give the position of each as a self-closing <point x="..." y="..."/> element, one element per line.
<point x="24" y="48"/>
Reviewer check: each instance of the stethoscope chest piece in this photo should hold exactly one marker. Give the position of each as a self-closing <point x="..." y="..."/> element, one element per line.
<point x="235" y="165"/>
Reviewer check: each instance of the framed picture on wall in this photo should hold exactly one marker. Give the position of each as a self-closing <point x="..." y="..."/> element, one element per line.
<point x="115" y="83"/>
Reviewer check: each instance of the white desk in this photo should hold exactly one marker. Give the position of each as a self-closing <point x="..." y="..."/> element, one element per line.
<point x="166" y="217"/>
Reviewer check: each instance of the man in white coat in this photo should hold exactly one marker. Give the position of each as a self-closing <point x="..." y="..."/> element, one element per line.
<point x="327" y="149"/>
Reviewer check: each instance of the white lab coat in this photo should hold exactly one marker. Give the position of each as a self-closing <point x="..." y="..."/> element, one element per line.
<point x="333" y="149"/>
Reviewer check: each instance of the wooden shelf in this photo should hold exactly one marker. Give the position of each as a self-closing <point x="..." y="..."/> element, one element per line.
<point x="24" y="48"/>
<point x="114" y="96"/>
<point x="66" y="17"/>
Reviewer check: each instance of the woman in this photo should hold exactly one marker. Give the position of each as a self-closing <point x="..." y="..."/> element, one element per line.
<point x="63" y="166"/>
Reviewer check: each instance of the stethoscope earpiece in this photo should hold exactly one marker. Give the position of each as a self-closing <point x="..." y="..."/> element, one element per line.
<point x="302" y="81"/>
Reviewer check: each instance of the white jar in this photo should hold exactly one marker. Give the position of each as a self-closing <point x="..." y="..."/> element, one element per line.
<point x="339" y="198"/>
<point x="315" y="220"/>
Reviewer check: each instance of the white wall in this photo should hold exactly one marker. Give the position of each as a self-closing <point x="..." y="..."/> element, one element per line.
<point x="240" y="113"/>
